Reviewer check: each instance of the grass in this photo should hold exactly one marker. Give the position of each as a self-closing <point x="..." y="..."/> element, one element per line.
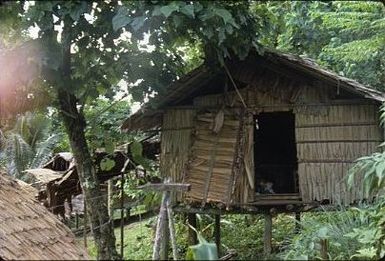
<point x="137" y="241"/>
<point x="244" y="233"/>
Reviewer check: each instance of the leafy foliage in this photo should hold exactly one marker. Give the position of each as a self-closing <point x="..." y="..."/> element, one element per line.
<point x="203" y="250"/>
<point x="345" y="37"/>
<point x="28" y="145"/>
<point x="221" y="27"/>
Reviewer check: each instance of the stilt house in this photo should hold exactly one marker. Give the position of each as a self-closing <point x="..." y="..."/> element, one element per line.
<point x="274" y="119"/>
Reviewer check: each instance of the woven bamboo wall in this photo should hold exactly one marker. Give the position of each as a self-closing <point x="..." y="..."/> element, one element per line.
<point x="176" y="142"/>
<point x="330" y="135"/>
<point x="328" y="143"/>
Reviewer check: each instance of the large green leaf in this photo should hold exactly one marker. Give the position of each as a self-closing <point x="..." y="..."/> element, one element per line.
<point x="121" y="19"/>
<point x="107" y="164"/>
<point x="203" y="250"/>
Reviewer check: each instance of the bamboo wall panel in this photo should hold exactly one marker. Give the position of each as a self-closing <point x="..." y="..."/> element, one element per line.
<point x="210" y="165"/>
<point x="338" y="133"/>
<point x="328" y="143"/>
<point x="334" y="151"/>
<point x="340" y="114"/>
<point x="176" y="143"/>
<point x="329" y="137"/>
<point x="327" y="181"/>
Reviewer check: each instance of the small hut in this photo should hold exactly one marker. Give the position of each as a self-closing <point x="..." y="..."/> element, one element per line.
<point x="270" y="130"/>
<point x="29" y="231"/>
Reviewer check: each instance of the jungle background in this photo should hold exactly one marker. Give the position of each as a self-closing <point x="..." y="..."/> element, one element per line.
<point x="101" y="60"/>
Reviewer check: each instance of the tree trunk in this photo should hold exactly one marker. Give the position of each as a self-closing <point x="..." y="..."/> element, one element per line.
<point x="97" y="211"/>
<point x="75" y="125"/>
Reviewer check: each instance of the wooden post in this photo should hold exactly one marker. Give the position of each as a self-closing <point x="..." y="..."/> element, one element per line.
<point x="121" y="215"/>
<point x="192" y="236"/>
<point x="160" y="228"/>
<point x="217" y="232"/>
<point x="128" y="211"/>
<point x="166" y="236"/>
<point x="110" y="193"/>
<point x="324" y="249"/>
<point x="267" y="234"/>
<point x="76" y="220"/>
<point x="297" y="227"/>
<point x="85" y="223"/>
<point x="162" y="235"/>
<point x="172" y="230"/>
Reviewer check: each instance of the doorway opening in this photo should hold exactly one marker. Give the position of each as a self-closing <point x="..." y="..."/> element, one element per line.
<point x="275" y="153"/>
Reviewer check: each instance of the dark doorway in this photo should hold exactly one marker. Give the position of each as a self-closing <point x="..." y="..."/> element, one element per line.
<point x="275" y="153"/>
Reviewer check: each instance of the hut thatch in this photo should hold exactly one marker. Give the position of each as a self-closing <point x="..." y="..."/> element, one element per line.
<point x="60" y="162"/>
<point x="274" y="120"/>
<point x="28" y="231"/>
<point x="39" y="178"/>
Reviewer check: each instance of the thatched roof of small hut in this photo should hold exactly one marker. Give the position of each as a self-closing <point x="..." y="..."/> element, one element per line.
<point x="29" y="231"/>
<point x="40" y="177"/>
<point x="195" y="83"/>
<point x="62" y="161"/>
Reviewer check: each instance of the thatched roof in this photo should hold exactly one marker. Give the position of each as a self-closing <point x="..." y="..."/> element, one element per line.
<point x="27" y="188"/>
<point x="29" y="231"/>
<point x="60" y="162"/>
<point x="38" y="177"/>
<point x="149" y="116"/>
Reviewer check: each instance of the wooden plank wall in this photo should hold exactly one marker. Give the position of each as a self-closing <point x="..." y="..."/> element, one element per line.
<point x="210" y="166"/>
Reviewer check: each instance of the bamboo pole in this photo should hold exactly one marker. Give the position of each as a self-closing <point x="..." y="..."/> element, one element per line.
<point x="110" y="193"/>
<point x="122" y="215"/>
<point x="85" y="224"/>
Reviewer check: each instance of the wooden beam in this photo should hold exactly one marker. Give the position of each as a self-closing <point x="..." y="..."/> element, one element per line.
<point x="192" y="236"/>
<point x="338" y="124"/>
<point x="297" y="227"/>
<point x="165" y="187"/>
<point x="267" y="235"/>
<point x="324" y="249"/>
<point x="217" y="232"/>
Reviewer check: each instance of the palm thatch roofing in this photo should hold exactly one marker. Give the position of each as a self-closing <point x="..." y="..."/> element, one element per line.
<point x="60" y="162"/>
<point x="27" y="188"/>
<point x="41" y="176"/>
<point x="29" y="231"/>
<point x="195" y="82"/>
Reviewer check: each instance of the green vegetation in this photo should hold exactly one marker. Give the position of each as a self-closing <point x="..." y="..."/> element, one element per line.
<point x="353" y="233"/>
<point x="94" y="51"/>
<point x="137" y="241"/>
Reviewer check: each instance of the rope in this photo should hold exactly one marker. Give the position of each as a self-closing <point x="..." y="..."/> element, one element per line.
<point x="235" y="85"/>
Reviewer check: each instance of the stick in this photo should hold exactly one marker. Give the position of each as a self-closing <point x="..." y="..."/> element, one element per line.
<point x="160" y="227"/>
<point x="121" y="215"/>
<point x="171" y="226"/>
